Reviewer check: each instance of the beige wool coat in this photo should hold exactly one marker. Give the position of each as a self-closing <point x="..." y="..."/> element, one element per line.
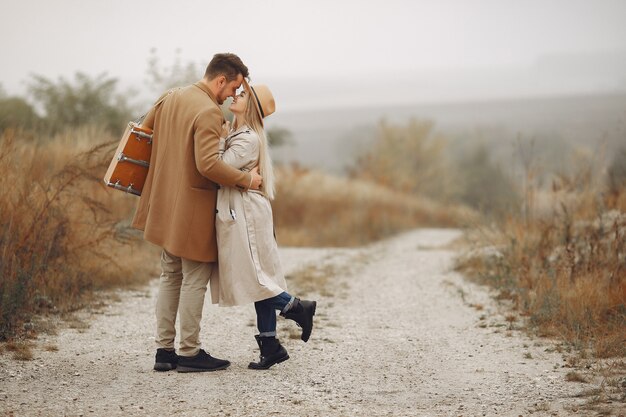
<point x="176" y="209"/>
<point x="249" y="262"/>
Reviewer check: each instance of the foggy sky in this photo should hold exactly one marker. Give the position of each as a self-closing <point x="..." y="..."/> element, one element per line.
<point x="435" y="49"/>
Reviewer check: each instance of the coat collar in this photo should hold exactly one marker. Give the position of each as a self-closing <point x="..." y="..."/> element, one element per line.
<point x="204" y="88"/>
<point x="240" y="131"/>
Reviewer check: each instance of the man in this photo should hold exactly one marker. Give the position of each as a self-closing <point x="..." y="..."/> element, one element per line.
<point x="177" y="207"/>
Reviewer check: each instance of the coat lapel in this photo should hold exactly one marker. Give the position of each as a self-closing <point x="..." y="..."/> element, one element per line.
<point x="204" y="88"/>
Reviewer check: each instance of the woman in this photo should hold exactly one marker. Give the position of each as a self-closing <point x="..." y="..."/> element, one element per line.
<point x="249" y="262"/>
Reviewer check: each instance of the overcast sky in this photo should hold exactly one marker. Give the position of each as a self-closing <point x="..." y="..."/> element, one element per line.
<point x="377" y="44"/>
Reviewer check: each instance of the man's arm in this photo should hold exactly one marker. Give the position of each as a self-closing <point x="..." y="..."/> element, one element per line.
<point x="208" y="126"/>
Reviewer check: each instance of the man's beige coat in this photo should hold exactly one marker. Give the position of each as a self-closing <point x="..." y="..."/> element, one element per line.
<point x="249" y="261"/>
<point x="177" y="206"/>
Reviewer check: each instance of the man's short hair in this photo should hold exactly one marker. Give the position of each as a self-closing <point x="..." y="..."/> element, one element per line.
<point x="229" y="65"/>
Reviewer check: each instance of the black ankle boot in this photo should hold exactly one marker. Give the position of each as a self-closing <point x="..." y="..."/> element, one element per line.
<point x="272" y="352"/>
<point x="302" y="312"/>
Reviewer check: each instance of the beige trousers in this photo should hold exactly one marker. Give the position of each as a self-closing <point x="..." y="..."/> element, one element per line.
<point x="182" y="287"/>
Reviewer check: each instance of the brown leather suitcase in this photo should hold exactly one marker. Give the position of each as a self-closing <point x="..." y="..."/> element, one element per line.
<point x="129" y="168"/>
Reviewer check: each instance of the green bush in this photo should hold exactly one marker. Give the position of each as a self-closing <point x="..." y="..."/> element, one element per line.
<point x="85" y="101"/>
<point x="483" y="185"/>
<point x="617" y="171"/>
<point x="15" y="112"/>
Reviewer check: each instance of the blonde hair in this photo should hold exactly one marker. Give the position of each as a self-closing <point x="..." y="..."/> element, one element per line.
<point x="252" y="119"/>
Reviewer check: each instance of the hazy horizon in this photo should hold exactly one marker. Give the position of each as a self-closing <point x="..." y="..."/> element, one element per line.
<point x="331" y="139"/>
<point x="547" y="78"/>
<point x="331" y="54"/>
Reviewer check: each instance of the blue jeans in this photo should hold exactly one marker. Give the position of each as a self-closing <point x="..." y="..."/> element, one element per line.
<point x="266" y="312"/>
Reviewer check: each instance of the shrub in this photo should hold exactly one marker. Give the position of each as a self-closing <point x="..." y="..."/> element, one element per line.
<point x="86" y="101"/>
<point x="407" y="158"/>
<point x="616" y="177"/>
<point x="414" y="159"/>
<point x="483" y="185"/>
<point x="16" y="113"/>
<point x="62" y="234"/>
<point x="566" y="272"/>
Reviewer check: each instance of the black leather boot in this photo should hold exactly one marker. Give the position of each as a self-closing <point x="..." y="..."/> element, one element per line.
<point x="272" y="352"/>
<point x="302" y="312"/>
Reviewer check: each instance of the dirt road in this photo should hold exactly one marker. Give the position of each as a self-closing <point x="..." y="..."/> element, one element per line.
<point x="394" y="335"/>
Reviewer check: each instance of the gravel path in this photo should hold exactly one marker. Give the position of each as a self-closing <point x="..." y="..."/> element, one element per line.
<point x="395" y="335"/>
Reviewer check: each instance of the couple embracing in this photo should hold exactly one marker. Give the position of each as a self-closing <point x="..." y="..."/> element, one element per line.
<point x="206" y="202"/>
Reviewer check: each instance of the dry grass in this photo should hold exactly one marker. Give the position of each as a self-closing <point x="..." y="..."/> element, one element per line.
<point x="62" y="233"/>
<point x="567" y="271"/>
<point x="316" y="209"/>
<point x="22" y="350"/>
<point x="51" y="347"/>
<point x="609" y="397"/>
<point x="312" y="278"/>
<point x="574" y="376"/>
<point x="318" y="277"/>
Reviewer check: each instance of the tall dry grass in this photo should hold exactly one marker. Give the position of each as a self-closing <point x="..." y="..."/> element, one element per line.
<point x="563" y="267"/>
<point x="317" y="209"/>
<point x="62" y="233"/>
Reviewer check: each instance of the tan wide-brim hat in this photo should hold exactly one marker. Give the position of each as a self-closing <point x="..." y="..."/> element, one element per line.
<point x="262" y="98"/>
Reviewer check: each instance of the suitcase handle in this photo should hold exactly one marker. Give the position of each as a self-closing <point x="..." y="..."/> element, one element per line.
<point x="123" y="158"/>
<point x="142" y="135"/>
<point x="120" y="187"/>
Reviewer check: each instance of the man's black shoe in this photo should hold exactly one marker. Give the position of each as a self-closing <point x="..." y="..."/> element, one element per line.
<point x="165" y="360"/>
<point x="202" y="362"/>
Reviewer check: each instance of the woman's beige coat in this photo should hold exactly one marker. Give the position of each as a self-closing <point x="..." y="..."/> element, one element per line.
<point x="249" y="263"/>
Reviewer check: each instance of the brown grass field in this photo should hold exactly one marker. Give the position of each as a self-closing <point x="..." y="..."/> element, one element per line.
<point x="64" y="235"/>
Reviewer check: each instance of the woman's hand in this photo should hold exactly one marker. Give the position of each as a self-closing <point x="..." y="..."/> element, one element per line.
<point x="256" y="181"/>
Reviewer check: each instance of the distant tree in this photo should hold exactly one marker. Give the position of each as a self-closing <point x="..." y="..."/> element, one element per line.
<point x="279" y="136"/>
<point x="15" y="112"/>
<point x="162" y="78"/>
<point x="483" y="185"/>
<point x="408" y="158"/>
<point x="617" y="171"/>
<point x="84" y="101"/>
